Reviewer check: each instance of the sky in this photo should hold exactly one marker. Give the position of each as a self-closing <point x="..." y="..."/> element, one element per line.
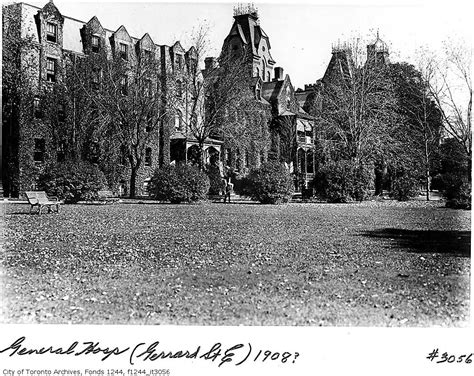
<point x="300" y="34"/>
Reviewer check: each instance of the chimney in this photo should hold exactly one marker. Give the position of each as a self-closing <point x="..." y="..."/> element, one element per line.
<point x="210" y="63"/>
<point x="278" y="73"/>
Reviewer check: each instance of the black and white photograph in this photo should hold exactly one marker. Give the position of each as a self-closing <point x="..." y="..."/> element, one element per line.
<point x="238" y="176"/>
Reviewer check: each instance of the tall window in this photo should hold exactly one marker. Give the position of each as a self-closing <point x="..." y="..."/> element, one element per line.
<point x="179" y="89"/>
<point x="37" y="108"/>
<point x="148" y="157"/>
<point x="179" y="61"/>
<point x="124" y="51"/>
<point x="61" y="112"/>
<point x="192" y="65"/>
<point x="95" y="43"/>
<point x="51" y="69"/>
<point x="149" y="123"/>
<point x="178" y="120"/>
<point x="124" y="85"/>
<point x="148" y="88"/>
<point x="96" y="78"/>
<point x="51" y="32"/>
<point x="60" y="152"/>
<point x="268" y="76"/>
<point x="38" y="155"/>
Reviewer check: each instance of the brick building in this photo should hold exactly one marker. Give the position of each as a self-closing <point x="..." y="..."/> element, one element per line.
<point x="54" y="39"/>
<point x="28" y="139"/>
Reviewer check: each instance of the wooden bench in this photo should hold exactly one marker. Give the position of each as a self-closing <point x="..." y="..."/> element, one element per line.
<point x="107" y="197"/>
<point x="41" y="200"/>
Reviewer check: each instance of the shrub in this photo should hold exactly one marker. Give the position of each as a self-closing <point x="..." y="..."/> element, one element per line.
<point x="216" y="181"/>
<point x="457" y="191"/>
<point x="344" y="181"/>
<point x="179" y="184"/>
<point x="72" y="181"/>
<point x="405" y="187"/>
<point x="270" y="184"/>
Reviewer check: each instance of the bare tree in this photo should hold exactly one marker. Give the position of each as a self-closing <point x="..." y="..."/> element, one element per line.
<point x="212" y="97"/>
<point x="450" y="84"/>
<point x="126" y="99"/>
<point x="420" y="121"/>
<point x="357" y="106"/>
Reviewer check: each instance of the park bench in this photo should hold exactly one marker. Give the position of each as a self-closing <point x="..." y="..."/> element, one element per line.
<point x="107" y="197"/>
<point x="41" y="200"/>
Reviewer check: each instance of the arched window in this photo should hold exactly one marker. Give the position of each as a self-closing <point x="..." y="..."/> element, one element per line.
<point x="263" y="70"/>
<point x="258" y="72"/>
<point x="268" y="76"/>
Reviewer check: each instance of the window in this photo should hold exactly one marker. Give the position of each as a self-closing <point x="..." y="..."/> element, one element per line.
<point x="95" y="44"/>
<point x="123" y="51"/>
<point x="51" y="32"/>
<point x="179" y="61"/>
<point x="147" y="55"/>
<point x="268" y="76"/>
<point x="149" y="124"/>
<point x="178" y="120"/>
<point x="37" y="108"/>
<point x="123" y="155"/>
<point x="51" y="69"/>
<point x="148" y="157"/>
<point x="61" y="112"/>
<point x="124" y="85"/>
<point x="148" y="88"/>
<point x="38" y="155"/>
<point x="258" y="94"/>
<point x="258" y="72"/>
<point x="96" y="78"/>
<point x="60" y="154"/>
<point x="179" y="89"/>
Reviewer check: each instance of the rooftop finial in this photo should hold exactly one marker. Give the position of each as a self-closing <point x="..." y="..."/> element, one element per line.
<point x="243" y="9"/>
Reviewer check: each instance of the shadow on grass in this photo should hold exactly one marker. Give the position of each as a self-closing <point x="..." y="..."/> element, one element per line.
<point x="453" y="243"/>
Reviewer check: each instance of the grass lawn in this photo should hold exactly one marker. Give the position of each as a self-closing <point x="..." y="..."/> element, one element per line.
<point x="369" y="264"/>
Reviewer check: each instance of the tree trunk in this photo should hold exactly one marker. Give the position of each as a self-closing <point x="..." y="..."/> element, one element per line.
<point x="201" y="156"/>
<point x="427" y="171"/>
<point x="133" y="181"/>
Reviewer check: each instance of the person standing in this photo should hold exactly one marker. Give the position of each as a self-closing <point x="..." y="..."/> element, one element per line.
<point x="228" y="190"/>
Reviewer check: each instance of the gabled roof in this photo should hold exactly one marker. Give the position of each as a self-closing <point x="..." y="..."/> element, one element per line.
<point x="95" y="25"/>
<point x="271" y="90"/>
<point x="122" y="34"/>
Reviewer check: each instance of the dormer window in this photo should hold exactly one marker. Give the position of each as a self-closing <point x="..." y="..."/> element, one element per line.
<point x="51" y="32"/>
<point x="147" y="55"/>
<point x="51" y="69"/>
<point x="179" y="61"/>
<point x="95" y="43"/>
<point x="124" y="51"/>
<point x="192" y="65"/>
